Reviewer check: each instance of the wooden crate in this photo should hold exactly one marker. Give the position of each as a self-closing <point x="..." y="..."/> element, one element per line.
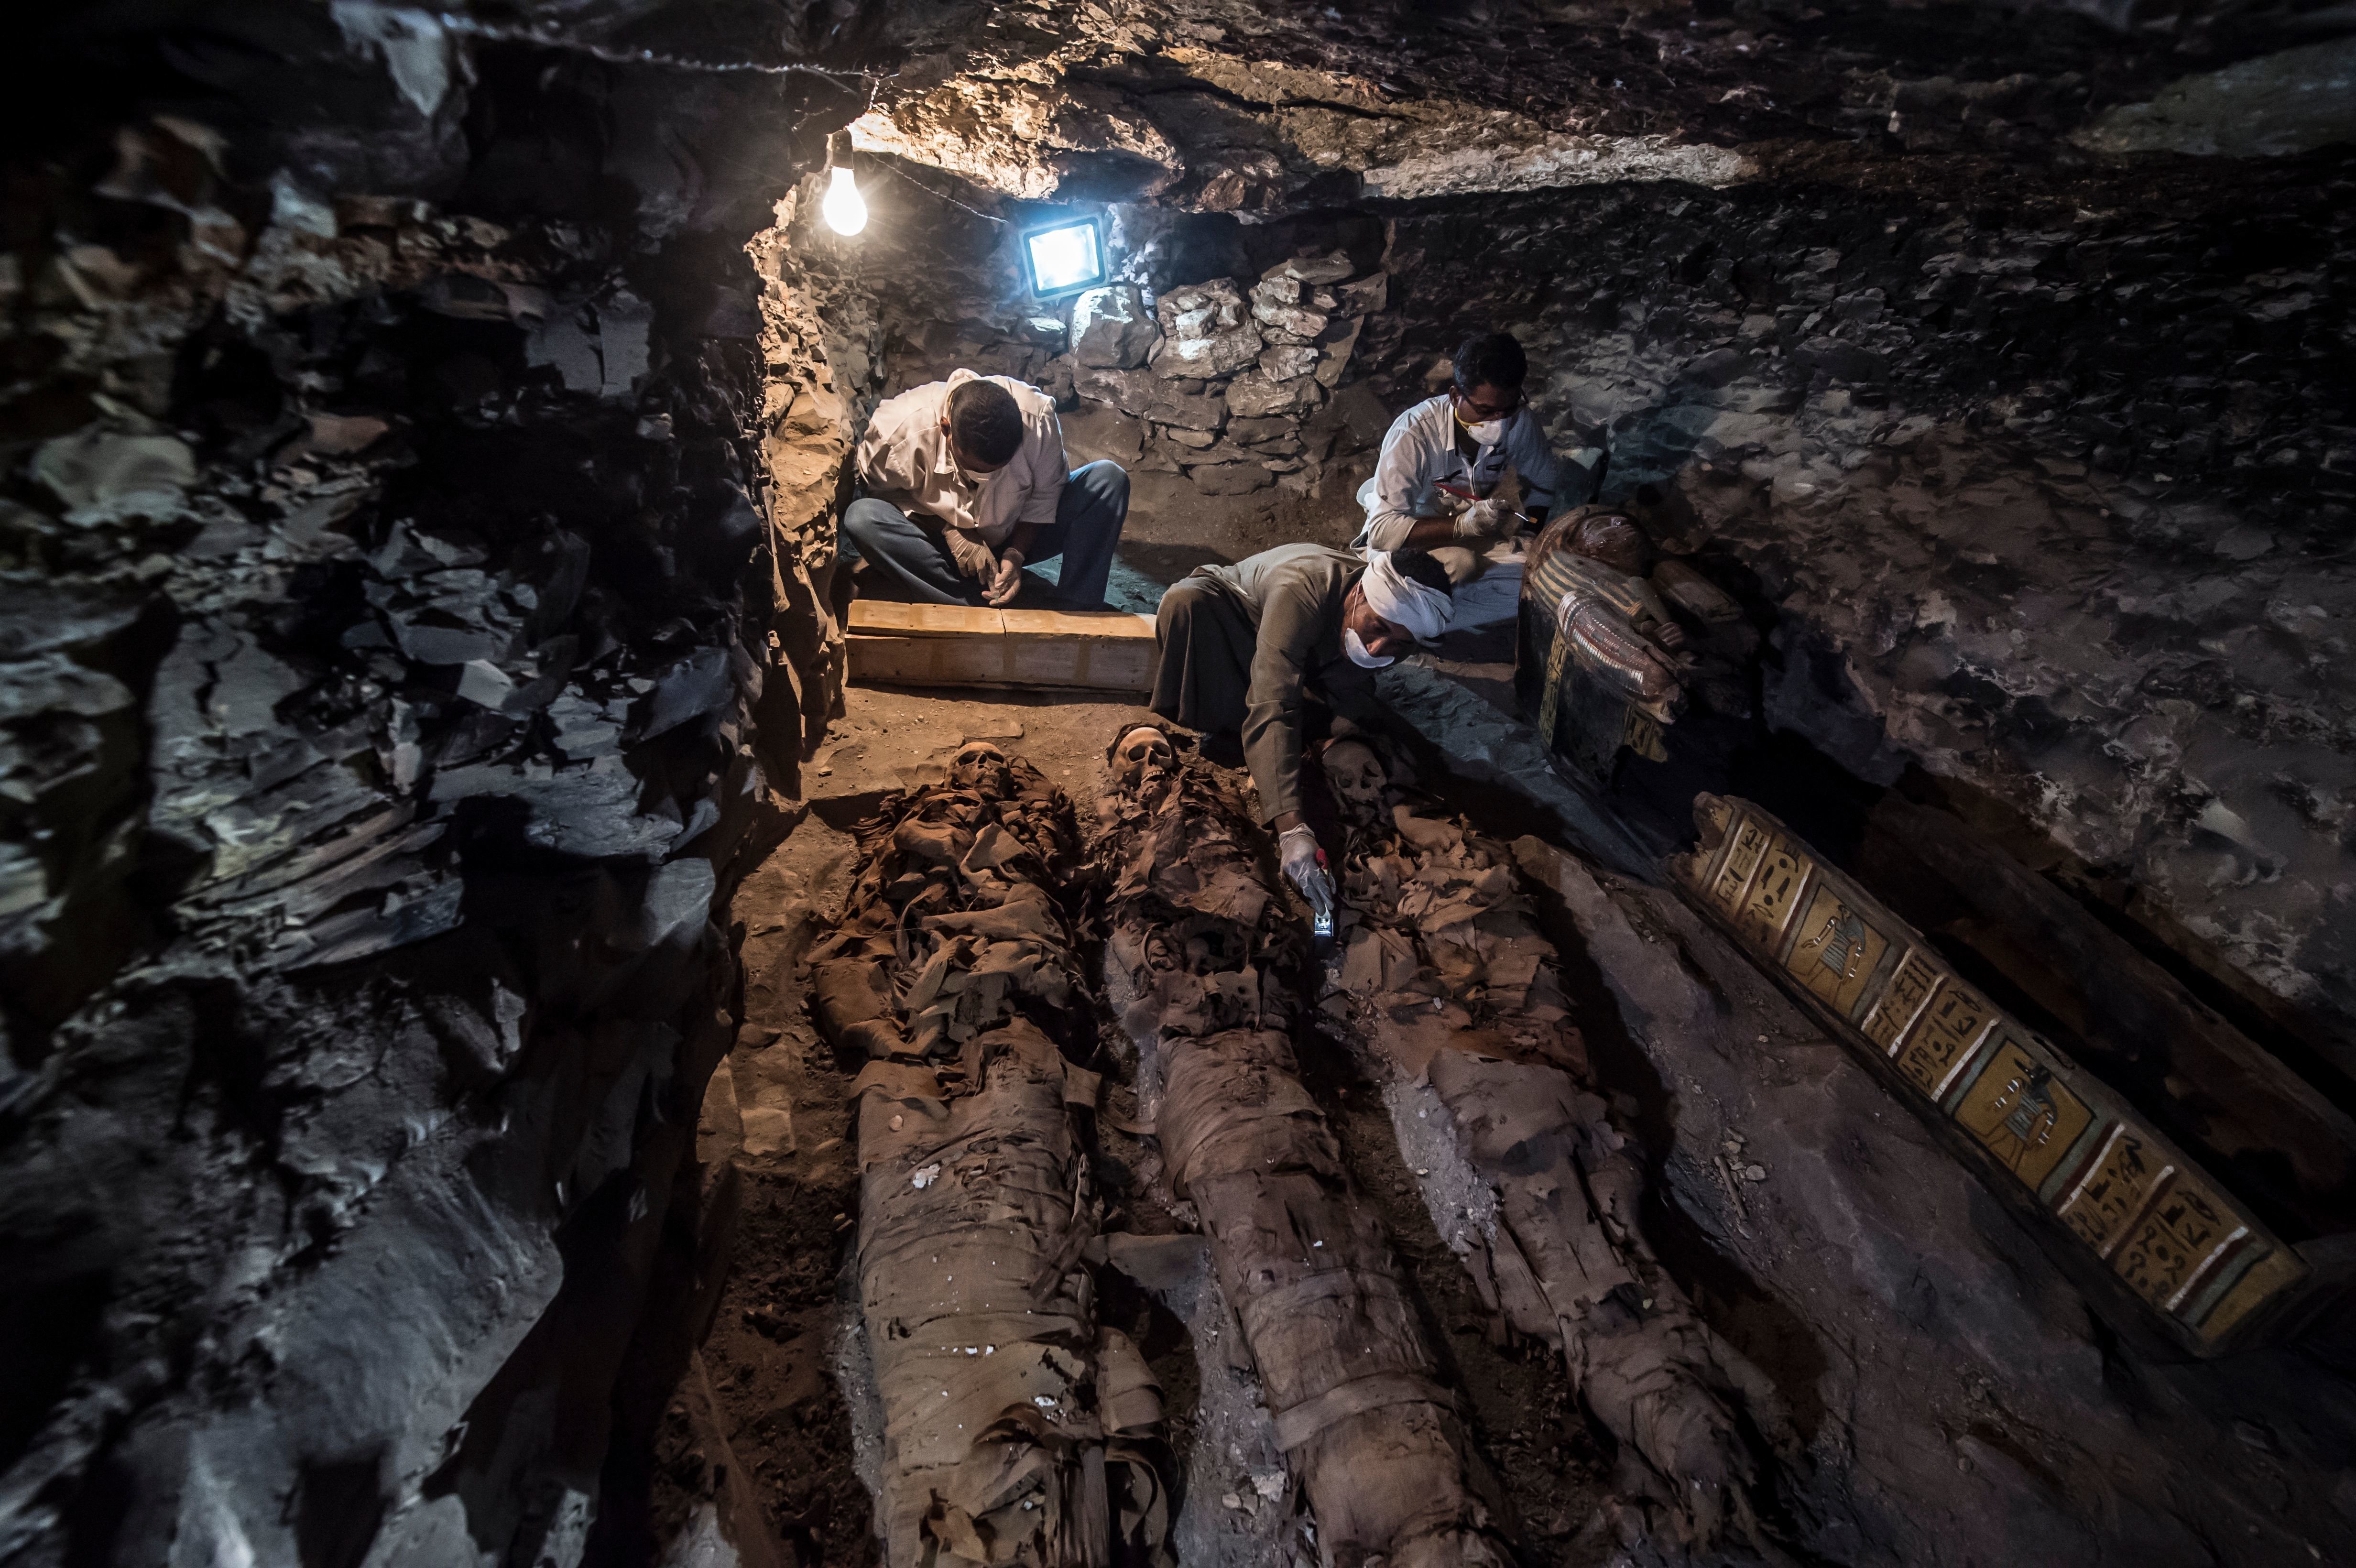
<point x="956" y="645"/>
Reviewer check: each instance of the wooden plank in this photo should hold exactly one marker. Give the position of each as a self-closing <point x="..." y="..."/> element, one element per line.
<point x="1109" y="651"/>
<point x="1118" y="625"/>
<point x="885" y="617"/>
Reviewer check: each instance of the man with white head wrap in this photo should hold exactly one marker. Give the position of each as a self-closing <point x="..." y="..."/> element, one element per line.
<point x="1238" y="646"/>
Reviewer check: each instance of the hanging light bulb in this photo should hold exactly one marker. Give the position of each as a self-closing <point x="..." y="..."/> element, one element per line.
<point x="844" y="209"/>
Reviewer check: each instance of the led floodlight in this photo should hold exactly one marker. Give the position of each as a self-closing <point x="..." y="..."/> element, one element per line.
<point x="1065" y="257"/>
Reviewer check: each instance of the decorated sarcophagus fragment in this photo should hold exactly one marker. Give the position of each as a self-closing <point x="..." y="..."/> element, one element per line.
<point x="2146" y="1230"/>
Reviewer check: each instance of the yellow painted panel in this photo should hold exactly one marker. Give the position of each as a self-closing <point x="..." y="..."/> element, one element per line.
<point x="2180" y="1234"/>
<point x="1742" y="857"/>
<point x="2024" y="1114"/>
<point x="2122" y="1176"/>
<point x="1940" y="1045"/>
<point x="1837" y="950"/>
<point x="1767" y="910"/>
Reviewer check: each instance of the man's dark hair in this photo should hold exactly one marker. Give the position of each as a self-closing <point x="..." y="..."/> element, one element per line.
<point x="985" y="421"/>
<point x="1418" y="566"/>
<point x="1491" y="360"/>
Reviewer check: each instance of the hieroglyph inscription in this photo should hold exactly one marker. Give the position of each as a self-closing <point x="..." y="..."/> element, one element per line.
<point x="2162" y="1227"/>
<point x="1742" y="857"/>
<point x="1902" y="1000"/>
<point x="1768" y="910"/>
<point x="1939" y="1046"/>
<point x="2113" y="1192"/>
<point x="1837" y="953"/>
<point x="2018" y="1106"/>
<point x="2179" y="1236"/>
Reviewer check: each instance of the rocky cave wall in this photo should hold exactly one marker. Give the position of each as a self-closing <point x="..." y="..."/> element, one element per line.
<point x="2046" y="492"/>
<point x="398" y="672"/>
<point x="2039" y="489"/>
<point x="415" y="538"/>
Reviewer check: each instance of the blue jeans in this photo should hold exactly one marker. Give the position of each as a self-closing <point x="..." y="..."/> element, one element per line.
<point x="915" y="559"/>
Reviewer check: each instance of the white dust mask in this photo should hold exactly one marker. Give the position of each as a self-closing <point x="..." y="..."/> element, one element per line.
<point x="1355" y="646"/>
<point x="1488" y="433"/>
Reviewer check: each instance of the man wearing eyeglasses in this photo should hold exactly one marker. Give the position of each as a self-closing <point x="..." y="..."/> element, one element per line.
<point x="1435" y="485"/>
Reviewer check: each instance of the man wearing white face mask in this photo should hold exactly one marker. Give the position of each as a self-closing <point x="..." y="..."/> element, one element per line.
<point x="1238" y="646"/>
<point x="1435" y="484"/>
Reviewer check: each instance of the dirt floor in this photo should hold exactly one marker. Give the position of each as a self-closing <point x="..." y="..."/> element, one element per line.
<point x="783" y="1348"/>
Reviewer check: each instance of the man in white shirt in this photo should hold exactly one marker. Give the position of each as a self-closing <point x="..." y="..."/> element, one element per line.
<point x="963" y="484"/>
<point x="1435" y="484"/>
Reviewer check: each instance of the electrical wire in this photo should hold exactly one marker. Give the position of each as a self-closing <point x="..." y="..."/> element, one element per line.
<point x="937" y="195"/>
<point x="468" y="27"/>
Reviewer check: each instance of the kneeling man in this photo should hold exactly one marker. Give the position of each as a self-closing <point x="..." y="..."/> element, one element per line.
<point x="1237" y="646"/>
<point x="1435" y="485"/>
<point x="963" y="484"/>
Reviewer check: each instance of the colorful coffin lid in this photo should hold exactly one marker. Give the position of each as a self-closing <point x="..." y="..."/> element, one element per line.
<point x="2157" y="1221"/>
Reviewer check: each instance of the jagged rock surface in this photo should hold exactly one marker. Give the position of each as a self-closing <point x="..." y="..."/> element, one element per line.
<point x="1883" y="302"/>
<point x="1984" y="541"/>
<point x="386" y="611"/>
<point x="416" y="565"/>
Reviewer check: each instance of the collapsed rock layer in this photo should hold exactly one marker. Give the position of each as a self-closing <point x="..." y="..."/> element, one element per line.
<point x="1992" y="406"/>
<point x="1925" y="440"/>
<point x="383" y="669"/>
<point x="370" y="371"/>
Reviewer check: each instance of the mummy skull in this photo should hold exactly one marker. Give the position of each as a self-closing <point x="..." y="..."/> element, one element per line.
<point x="1140" y="754"/>
<point x="1357" y="778"/>
<point x="976" y="761"/>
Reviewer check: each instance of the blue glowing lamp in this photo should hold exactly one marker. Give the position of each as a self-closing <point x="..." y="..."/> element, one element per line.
<point x="1065" y="257"/>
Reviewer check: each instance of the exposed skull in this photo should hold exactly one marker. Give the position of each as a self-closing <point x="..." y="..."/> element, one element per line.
<point x="1143" y="756"/>
<point x="1357" y="777"/>
<point x="977" y="765"/>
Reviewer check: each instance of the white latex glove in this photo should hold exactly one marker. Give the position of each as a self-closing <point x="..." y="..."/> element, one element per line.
<point x="1008" y="582"/>
<point x="1305" y="864"/>
<point x="1482" y="521"/>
